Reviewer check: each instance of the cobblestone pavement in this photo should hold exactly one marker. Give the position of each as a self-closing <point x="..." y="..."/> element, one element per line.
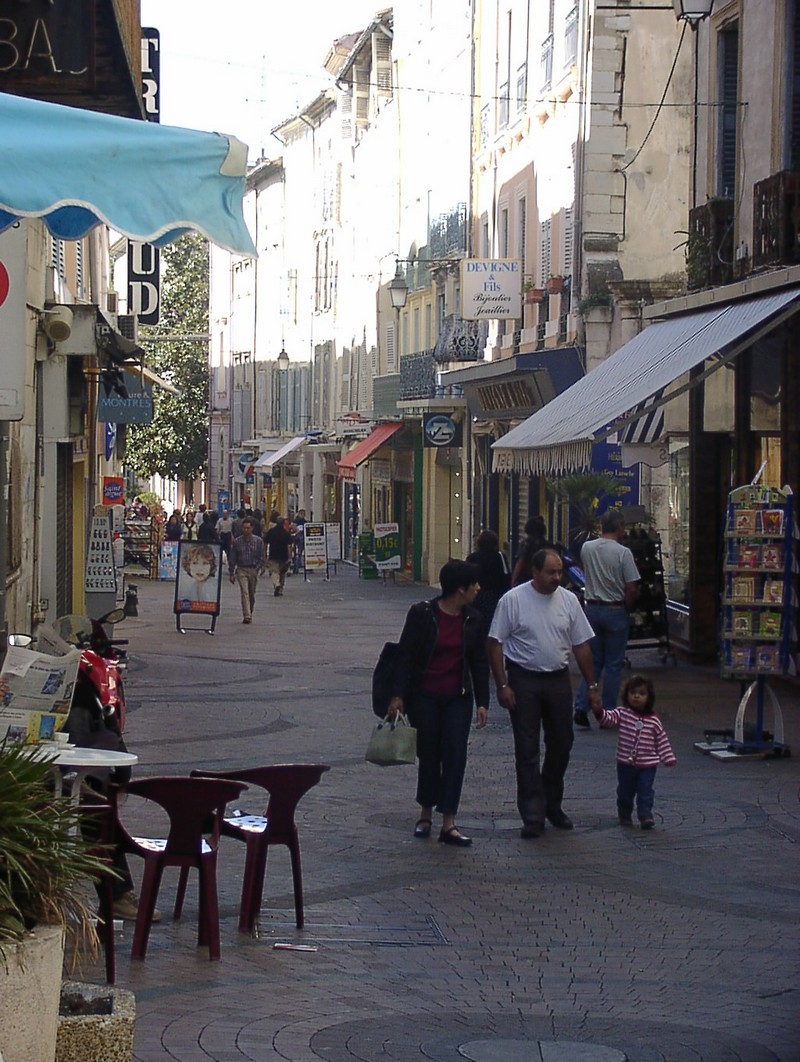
<point x="599" y="944"/>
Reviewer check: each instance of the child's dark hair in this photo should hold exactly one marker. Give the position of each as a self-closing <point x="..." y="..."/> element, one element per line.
<point x="640" y="682"/>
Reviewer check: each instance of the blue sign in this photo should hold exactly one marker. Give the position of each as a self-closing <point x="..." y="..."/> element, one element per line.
<point x="111" y="439"/>
<point x="223" y="501"/>
<point x="607" y="457"/>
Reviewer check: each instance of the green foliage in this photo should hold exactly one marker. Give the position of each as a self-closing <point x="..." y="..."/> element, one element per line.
<point x="584" y="492"/>
<point x="175" y="445"/>
<point x="44" y="860"/>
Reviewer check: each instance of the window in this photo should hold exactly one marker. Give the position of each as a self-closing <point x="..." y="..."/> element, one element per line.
<point x="567" y="241"/>
<point x="522" y="89"/>
<point x="522" y="228"/>
<point x="502" y="247"/>
<point x="547" y="63"/>
<point x="502" y="119"/>
<point x="484" y="236"/>
<point x="728" y="91"/>
<point x="544" y="252"/>
<point x="570" y="37"/>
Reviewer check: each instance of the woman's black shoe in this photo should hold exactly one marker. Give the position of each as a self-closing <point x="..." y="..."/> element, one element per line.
<point x="423" y="829"/>
<point x="452" y="836"/>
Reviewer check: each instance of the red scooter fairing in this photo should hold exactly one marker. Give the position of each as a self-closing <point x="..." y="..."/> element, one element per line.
<point x="99" y="690"/>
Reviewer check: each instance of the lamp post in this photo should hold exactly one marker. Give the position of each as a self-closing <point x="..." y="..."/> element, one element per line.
<point x="398" y="293"/>
<point x="282" y="404"/>
<point x="692" y="11"/>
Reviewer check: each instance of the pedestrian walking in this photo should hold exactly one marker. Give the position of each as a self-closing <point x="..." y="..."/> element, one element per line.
<point x="642" y="744"/>
<point x="534" y="540"/>
<point x="225" y="532"/>
<point x="278" y="542"/>
<point x="246" y="561"/>
<point x="535" y="627"/>
<point x="612" y="586"/>
<point x="206" y="532"/>
<point x="494" y="575"/>
<point x="441" y="670"/>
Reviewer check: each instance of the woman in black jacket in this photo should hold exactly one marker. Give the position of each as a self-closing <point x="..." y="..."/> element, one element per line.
<point x="494" y="575"/>
<point x="441" y="670"/>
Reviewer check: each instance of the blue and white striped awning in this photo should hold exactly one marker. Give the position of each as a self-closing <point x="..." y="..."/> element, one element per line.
<point x="76" y="169"/>
<point x="634" y="383"/>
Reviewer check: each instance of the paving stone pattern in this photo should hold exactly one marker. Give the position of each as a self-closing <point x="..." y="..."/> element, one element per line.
<point x="603" y="943"/>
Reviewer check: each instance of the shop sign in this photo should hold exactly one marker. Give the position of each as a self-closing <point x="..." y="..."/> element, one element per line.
<point x="113" y="490"/>
<point x="13" y="321"/>
<point x="136" y="407"/>
<point x="47" y="49"/>
<point x="381" y="472"/>
<point x="441" y="430"/>
<point x="491" y="288"/>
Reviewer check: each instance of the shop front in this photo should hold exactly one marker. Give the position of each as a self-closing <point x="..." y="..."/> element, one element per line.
<point x="718" y="389"/>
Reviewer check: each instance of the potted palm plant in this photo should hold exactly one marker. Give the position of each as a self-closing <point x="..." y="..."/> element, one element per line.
<point x="44" y="864"/>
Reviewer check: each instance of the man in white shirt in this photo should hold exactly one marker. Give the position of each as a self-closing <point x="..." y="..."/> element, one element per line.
<point x="612" y="585"/>
<point x="535" y="627"/>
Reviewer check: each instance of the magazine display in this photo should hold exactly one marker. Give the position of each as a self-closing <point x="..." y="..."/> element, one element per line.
<point x="759" y="601"/>
<point x="39" y="692"/>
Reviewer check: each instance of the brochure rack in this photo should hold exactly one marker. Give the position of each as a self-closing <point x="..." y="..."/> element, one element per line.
<point x="648" y="621"/>
<point x="141" y="536"/>
<point x="759" y="606"/>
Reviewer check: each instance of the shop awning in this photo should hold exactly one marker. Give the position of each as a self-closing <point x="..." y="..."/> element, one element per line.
<point x="365" y="449"/>
<point x="76" y="169"/>
<point x="267" y="461"/>
<point x="631" y="383"/>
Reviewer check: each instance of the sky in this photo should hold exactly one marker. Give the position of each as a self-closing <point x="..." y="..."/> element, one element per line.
<point x="243" y="66"/>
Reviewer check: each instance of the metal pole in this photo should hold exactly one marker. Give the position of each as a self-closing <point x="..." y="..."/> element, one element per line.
<point x="4" y="517"/>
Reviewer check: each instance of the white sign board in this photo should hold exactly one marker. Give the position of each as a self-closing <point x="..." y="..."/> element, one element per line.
<point x="316" y="553"/>
<point x="333" y="541"/>
<point x="100" y="573"/>
<point x="491" y="288"/>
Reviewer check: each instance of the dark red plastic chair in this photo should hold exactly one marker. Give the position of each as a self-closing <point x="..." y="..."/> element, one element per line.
<point x="286" y="783"/>
<point x="195" y="807"/>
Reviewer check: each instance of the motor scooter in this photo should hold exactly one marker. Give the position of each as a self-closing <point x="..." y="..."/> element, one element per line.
<point x="573" y="578"/>
<point x="99" y="688"/>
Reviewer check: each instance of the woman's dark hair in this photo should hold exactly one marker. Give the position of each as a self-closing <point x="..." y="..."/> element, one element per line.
<point x="457" y="575"/>
<point x="488" y="540"/>
<point x="536" y="527"/>
<point x="640" y="682"/>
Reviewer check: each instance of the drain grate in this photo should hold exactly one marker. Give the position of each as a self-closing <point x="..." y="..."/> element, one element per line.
<point x="426" y="934"/>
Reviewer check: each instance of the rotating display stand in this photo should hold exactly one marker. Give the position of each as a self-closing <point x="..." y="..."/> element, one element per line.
<point x="649" y="627"/>
<point x="758" y="633"/>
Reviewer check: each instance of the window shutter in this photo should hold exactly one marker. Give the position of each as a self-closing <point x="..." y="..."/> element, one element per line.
<point x="382" y="62"/>
<point x="544" y="251"/>
<point x="729" y="91"/>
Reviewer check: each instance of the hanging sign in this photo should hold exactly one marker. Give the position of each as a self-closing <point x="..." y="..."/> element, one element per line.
<point x="491" y="288"/>
<point x="113" y="490"/>
<point x="441" y="430"/>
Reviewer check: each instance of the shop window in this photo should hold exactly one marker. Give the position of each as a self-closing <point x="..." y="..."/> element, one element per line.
<point x="677" y="562"/>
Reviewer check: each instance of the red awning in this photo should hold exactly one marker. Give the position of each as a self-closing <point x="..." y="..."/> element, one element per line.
<point x="365" y="449"/>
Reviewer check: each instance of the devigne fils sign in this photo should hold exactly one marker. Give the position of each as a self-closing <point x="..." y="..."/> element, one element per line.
<point x="491" y="287"/>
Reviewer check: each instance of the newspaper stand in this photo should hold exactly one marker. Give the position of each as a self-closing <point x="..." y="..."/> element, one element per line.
<point x="759" y="605"/>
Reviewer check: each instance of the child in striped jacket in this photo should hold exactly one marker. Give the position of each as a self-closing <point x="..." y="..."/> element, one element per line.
<point x="641" y="746"/>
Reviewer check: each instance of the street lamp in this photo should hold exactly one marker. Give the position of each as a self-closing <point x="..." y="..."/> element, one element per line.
<point x="398" y="289"/>
<point x="283" y="360"/>
<point x="692" y="11"/>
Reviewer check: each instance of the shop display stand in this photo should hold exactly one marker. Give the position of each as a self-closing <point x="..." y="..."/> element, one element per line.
<point x="649" y="628"/>
<point x="758" y="616"/>
<point x="141" y="537"/>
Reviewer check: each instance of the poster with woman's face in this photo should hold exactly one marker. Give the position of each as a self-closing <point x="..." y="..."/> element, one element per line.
<point x="197" y="587"/>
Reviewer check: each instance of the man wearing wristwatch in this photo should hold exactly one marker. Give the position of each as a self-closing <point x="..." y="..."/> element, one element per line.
<point x="535" y="627"/>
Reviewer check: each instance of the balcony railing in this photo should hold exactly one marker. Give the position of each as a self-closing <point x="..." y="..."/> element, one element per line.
<point x="709" y="248"/>
<point x="776" y="220"/>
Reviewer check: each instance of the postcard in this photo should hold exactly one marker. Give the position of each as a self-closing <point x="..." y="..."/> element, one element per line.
<point x="743" y="588"/>
<point x="772" y="557"/>
<point x="772" y="521"/>
<point x="744" y="521"/>
<point x="742" y="657"/>
<point x="768" y="658"/>
<point x="773" y="591"/>
<point x="742" y="624"/>
<point x="770" y="624"/>
<point x="749" y="556"/>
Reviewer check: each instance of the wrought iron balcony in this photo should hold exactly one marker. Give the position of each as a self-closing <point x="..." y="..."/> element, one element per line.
<point x="709" y="248"/>
<point x="776" y="220"/>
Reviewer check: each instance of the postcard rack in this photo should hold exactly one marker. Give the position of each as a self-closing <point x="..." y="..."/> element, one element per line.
<point x="759" y="607"/>
<point x="649" y="627"/>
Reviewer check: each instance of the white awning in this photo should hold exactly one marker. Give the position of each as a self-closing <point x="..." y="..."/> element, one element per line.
<point x="630" y="383"/>
<point x="267" y="461"/>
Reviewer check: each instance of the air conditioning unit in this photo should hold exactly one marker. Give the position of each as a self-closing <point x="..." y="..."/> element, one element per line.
<point x="126" y="323"/>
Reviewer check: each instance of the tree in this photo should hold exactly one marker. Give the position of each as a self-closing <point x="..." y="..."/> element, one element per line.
<point x="175" y="445"/>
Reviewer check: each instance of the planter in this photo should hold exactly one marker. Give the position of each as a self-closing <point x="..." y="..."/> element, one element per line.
<point x="30" y="982"/>
<point x="555" y="285"/>
<point x="535" y="295"/>
<point x="95" y="1024"/>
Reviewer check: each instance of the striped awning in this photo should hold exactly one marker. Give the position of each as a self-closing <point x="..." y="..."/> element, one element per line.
<point x="634" y="383"/>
